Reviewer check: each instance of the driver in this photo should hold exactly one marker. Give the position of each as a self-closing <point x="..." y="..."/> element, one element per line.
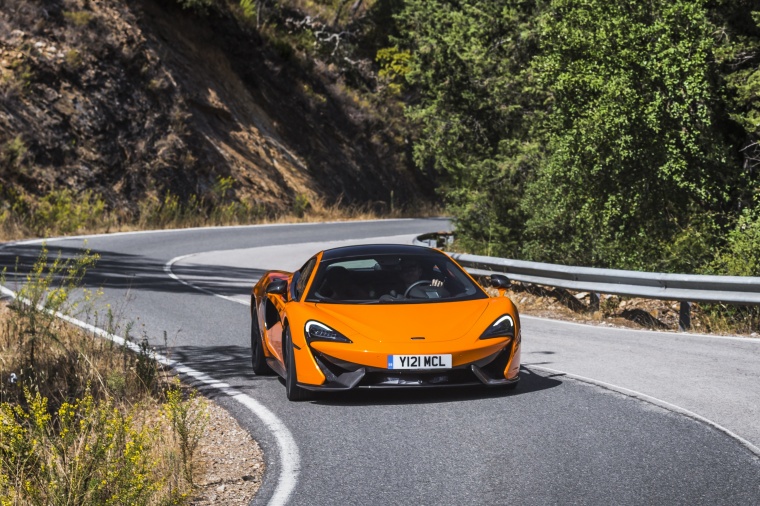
<point x="411" y="272"/>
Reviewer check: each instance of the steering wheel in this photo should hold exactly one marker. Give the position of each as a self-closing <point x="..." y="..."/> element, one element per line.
<point x="415" y="284"/>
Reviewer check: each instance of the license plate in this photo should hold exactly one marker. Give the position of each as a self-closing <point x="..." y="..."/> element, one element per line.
<point x="419" y="362"/>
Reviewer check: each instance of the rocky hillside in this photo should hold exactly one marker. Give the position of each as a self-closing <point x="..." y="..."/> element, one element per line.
<point x="133" y="99"/>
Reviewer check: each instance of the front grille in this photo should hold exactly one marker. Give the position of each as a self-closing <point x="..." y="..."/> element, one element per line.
<point x="452" y="377"/>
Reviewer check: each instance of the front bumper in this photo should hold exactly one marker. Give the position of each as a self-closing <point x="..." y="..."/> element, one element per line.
<point x="342" y="375"/>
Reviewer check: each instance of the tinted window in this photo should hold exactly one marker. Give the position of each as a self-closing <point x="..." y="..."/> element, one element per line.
<point x="387" y="279"/>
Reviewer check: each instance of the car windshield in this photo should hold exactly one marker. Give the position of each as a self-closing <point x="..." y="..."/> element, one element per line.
<point x="391" y="279"/>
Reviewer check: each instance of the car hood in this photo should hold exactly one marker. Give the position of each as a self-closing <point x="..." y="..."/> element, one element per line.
<point x="397" y="323"/>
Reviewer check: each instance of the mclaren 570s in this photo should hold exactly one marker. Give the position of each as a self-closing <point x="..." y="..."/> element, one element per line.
<point x="383" y="316"/>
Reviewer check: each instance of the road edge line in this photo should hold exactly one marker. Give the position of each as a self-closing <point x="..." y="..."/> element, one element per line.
<point x="655" y="401"/>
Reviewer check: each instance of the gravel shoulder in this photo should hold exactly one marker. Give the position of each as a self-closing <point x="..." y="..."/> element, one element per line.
<point x="230" y="462"/>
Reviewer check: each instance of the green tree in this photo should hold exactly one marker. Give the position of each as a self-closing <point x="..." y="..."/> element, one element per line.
<point x="738" y="54"/>
<point x="475" y="105"/>
<point x="635" y="148"/>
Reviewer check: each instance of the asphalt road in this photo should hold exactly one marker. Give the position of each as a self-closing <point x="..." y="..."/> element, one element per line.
<point x="555" y="440"/>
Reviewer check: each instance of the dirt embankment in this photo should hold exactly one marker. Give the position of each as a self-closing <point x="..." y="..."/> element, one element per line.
<point x="137" y="98"/>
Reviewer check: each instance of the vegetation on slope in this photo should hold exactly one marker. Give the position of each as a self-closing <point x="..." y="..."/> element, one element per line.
<point x="619" y="134"/>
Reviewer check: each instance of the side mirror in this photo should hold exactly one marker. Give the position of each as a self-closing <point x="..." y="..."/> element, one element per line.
<point x="500" y="281"/>
<point x="278" y="287"/>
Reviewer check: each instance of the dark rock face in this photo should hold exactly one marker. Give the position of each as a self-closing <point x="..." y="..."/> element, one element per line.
<point x="133" y="99"/>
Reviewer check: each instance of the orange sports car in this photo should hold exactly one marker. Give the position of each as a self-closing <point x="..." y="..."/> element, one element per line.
<point x="382" y="316"/>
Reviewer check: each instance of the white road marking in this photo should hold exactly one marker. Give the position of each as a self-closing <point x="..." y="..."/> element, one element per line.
<point x="168" y="271"/>
<point x="652" y="400"/>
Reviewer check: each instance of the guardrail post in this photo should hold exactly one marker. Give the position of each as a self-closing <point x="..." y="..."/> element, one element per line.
<point x="593" y="298"/>
<point x="684" y="317"/>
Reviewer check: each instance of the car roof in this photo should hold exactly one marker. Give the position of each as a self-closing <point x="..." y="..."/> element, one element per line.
<point x="376" y="249"/>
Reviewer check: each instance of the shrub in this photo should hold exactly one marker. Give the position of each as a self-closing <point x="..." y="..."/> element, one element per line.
<point x="89" y="453"/>
<point x="13" y="154"/>
<point x="394" y="67"/>
<point x="48" y="285"/>
<point x="46" y="291"/>
<point x="61" y="212"/>
<point x="188" y="419"/>
<point x="198" y="6"/>
<point x="78" y="416"/>
<point x="249" y="8"/>
<point x="22" y="74"/>
<point x="73" y="59"/>
<point x="78" y="18"/>
<point x="741" y="256"/>
<point x="300" y="205"/>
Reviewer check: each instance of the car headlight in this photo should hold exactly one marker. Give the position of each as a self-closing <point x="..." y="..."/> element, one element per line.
<point x="316" y="331"/>
<point x="504" y="326"/>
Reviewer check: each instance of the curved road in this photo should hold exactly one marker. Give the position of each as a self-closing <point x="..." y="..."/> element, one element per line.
<point x="555" y="440"/>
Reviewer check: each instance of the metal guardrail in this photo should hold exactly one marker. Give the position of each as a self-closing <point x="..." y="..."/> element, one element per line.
<point x="685" y="288"/>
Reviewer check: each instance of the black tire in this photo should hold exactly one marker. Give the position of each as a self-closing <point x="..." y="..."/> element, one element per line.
<point x="292" y="390"/>
<point x="258" y="359"/>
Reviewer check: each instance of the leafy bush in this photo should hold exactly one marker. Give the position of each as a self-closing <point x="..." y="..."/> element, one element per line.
<point x="62" y="212"/>
<point x="73" y="59"/>
<point x="13" y="154"/>
<point x="300" y="205"/>
<point x="199" y="6"/>
<point x="47" y="291"/>
<point x="394" y="67"/>
<point x="78" y="18"/>
<point x="741" y="256"/>
<point x="249" y="8"/>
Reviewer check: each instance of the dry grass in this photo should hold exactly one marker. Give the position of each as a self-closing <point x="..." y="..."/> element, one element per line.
<point x="157" y="215"/>
<point x="69" y="397"/>
<point x="73" y="365"/>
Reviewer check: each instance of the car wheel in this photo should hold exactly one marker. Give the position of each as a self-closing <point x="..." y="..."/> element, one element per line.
<point x="292" y="390"/>
<point x="258" y="359"/>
